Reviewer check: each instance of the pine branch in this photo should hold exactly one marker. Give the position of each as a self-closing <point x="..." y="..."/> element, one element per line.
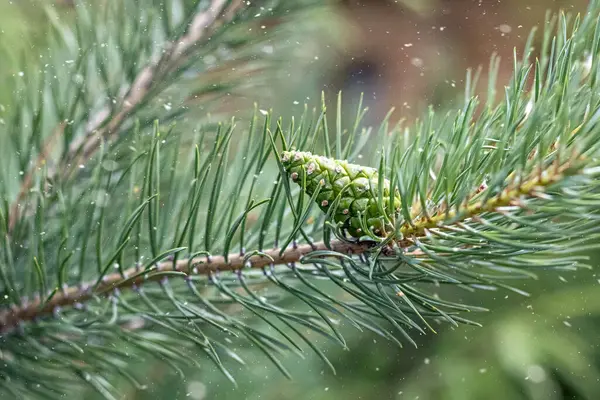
<point x="102" y="125"/>
<point x="203" y="25"/>
<point x="135" y="277"/>
<point x="487" y="196"/>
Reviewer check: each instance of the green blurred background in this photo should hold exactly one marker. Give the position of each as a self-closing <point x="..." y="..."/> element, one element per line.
<point x="406" y="54"/>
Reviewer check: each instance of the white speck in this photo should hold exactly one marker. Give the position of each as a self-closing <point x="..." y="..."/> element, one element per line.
<point x="21" y="73"/>
<point x="536" y="374"/>
<point x="587" y="65"/>
<point x="504" y="28"/>
<point x="408" y="44"/>
<point x="196" y="390"/>
<point x="209" y="59"/>
<point x="567" y="323"/>
<point x="482" y="370"/>
<point x="427" y="361"/>
<point x="417" y="62"/>
<point x="167" y="106"/>
<point x="81" y="166"/>
<point x="296" y="102"/>
<point x="263" y="112"/>
<point x="528" y="108"/>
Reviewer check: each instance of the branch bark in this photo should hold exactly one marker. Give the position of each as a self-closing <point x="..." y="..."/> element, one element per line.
<point x="10" y="318"/>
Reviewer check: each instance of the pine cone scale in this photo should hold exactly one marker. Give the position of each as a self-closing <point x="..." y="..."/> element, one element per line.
<point x="357" y="185"/>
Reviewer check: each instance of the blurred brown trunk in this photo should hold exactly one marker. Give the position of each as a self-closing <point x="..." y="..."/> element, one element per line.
<point x="416" y="56"/>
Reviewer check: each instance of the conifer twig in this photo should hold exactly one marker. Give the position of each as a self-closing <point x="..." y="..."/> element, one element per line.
<point x="203" y="24"/>
<point x="98" y="128"/>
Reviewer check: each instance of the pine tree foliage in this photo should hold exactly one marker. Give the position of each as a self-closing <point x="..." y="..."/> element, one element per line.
<point x="125" y="237"/>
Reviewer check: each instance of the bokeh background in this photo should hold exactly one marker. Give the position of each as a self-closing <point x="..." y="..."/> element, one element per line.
<point x="407" y="54"/>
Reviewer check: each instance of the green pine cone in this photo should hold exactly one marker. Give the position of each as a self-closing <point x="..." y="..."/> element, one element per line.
<point x="360" y="190"/>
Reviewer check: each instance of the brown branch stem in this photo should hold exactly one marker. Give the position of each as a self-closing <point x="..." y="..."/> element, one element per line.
<point x="69" y="296"/>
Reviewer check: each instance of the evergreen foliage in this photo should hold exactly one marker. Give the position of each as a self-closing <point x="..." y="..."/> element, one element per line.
<point x="128" y="237"/>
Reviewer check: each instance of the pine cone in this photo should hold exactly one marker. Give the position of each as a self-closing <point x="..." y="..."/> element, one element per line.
<point x="360" y="190"/>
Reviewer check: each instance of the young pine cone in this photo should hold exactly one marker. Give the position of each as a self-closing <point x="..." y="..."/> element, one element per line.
<point x="360" y="191"/>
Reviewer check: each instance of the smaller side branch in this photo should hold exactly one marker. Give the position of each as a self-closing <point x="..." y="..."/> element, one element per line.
<point x="104" y="126"/>
<point x="535" y="184"/>
<point x="203" y="25"/>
